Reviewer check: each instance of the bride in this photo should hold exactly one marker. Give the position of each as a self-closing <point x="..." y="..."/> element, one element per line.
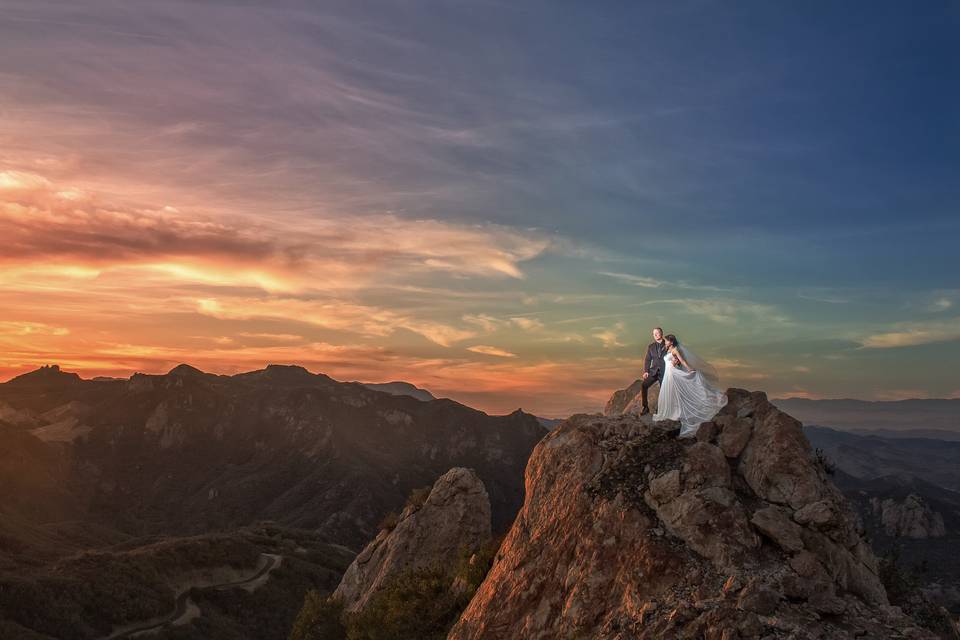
<point x="689" y="392"/>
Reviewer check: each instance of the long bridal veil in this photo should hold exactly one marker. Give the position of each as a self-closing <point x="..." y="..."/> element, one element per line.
<point x="691" y="397"/>
<point x="708" y="370"/>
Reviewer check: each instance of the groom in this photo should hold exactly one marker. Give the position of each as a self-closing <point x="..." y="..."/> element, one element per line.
<point x="652" y="366"/>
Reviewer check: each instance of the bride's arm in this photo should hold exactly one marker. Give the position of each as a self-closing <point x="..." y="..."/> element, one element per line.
<point x="676" y="353"/>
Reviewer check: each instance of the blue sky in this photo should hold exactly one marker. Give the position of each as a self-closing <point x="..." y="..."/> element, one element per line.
<point x="494" y="200"/>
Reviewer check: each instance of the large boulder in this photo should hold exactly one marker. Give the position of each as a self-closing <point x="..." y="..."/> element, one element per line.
<point x="455" y="514"/>
<point x="630" y="400"/>
<point x="628" y="532"/>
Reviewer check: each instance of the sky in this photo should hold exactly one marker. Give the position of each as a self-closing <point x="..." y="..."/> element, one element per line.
<point x="496" y="201"/>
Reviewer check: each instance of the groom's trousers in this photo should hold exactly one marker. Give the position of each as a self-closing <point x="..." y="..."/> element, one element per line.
<point x="649" y="382"/>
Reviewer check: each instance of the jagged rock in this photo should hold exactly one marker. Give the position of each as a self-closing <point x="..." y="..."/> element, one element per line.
<point x="630" y="401"/>
<point x="827" y="603"/>
<point x="776" y="524"/>
<point x="758" y="598"/>
<point x="586" y="557"/>
<point x="911" y="517"/>
<point x="666" y="487"/>
<point x="712" y="523"/>
<point x="707" y="432"/>
<point x="807" y="565"/>
<point x="621" y="398"/>
<point x="821" y="514"/>
<point x="705" y="467"/>
<point x="777" y="462"/>
<point x="456" y="513"/>
<point x="735" y="435"/>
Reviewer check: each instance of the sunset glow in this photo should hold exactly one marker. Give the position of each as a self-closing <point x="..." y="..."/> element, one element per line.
<point x="365" y="199"/>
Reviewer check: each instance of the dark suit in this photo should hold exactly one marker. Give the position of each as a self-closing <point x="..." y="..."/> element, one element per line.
<point x="652" y="365"/>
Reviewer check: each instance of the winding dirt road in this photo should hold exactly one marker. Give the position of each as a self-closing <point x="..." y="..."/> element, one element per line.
<point x="184" y="606"/>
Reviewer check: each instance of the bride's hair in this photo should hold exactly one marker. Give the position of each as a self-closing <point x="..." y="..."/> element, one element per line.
<point x="672" y="338"/>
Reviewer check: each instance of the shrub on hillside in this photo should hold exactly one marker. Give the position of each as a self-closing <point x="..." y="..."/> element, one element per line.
<point x="319" y="619"/>
<point x="417" y="604"/>
<point x="420" y="604"/>
<point x="418" y="496"/>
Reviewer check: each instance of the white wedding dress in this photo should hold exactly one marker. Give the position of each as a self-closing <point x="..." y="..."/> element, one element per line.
<point x="689" y="397"/>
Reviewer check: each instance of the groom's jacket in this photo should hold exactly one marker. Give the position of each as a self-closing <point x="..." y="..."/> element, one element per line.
<point x="653" y="360"/>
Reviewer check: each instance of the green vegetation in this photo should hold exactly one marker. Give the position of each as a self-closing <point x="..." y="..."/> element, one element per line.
<point x="416" y="499"/>
<point x="88" y="595"/>
<point x="422" y="604"/>
<point x="417" y="604"/>
<point x="418" y="496"/>
<point x="389" y="521"/>
<point x="821" y="458"/>
<point x="319" y="619"/>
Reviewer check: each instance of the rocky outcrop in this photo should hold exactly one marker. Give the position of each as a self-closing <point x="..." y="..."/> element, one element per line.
<point x="911" y="517"/>
<point x="628" y="532"/>
<point x="455" y="514"/>
<point x="629" y="400"/>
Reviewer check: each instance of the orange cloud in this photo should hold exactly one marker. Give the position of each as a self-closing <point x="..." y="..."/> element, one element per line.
<point x="491" y="351"/>
<point x="71" y="228"/>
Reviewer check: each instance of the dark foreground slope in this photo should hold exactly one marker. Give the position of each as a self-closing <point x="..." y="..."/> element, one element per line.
<point x="628" y="532"/>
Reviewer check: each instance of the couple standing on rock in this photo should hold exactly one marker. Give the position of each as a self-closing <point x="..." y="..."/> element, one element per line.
<point x="689" y="390"/>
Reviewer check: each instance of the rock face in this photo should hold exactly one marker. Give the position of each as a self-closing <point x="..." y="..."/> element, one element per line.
<point x="456" y="513"/>
<point x="628" y="532"/>
<point x="629" y="401"/>
<point x="909" y="518"/>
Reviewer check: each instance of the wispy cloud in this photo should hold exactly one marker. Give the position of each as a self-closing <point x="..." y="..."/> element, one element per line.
<point x="491" y="351"/>
<point x="639" y="281"/>
<point x="610" y="337"/>
<point x="941" y="304"/>
<point x="654" y="283"/>
<point x="725" y="310"/>
<point x="331" y="314"/>
<point x="916" y="333"/>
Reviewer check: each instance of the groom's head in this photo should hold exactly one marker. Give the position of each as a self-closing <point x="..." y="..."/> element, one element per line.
<point x="657" y="334"/>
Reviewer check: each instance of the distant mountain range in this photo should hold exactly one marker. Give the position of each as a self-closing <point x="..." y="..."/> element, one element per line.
<point x="926" y="418"/>
<point x="400" y="388"/>
<point x="870" y="456"/>
<point x="188" y="451"/>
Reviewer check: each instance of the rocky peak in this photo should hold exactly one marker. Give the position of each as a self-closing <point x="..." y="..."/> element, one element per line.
<point x="185" y="370"/>
<point x="910" y="517"/>
<point x="45" y="376"/>
<point x="628" y="532"/>
<point x="455" y="513"/>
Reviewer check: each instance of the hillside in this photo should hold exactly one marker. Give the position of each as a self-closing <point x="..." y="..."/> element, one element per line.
<point x="871" y="456"/>
<point x="189" y="452"/>
<point x="134" y="584"/>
